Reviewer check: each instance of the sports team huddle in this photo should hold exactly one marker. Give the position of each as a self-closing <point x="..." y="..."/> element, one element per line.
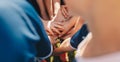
<point x="59" y="31"/>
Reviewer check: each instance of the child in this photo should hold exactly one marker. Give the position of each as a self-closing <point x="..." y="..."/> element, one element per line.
<point x="22" y="35"/>
<point x="103" y="22"/>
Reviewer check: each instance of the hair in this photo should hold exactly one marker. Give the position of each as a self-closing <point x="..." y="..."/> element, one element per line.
<point x="62" y="2"/>
<point x="35" y="5"/>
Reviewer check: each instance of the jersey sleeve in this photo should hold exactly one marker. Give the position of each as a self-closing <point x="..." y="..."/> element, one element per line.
<point x="79" y="36"/>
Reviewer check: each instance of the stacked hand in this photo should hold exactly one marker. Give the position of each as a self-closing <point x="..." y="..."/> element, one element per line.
<point x="71" y="24"/>
<point x="57" y="20"/>
<point x="65" y="25"/>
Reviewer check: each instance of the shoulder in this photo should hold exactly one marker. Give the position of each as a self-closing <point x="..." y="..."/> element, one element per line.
<point x="104" y="58"/>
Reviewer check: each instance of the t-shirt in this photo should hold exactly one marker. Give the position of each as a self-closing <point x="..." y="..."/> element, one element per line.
<point x="22" y="34"/>
<point x="113" y="57"/>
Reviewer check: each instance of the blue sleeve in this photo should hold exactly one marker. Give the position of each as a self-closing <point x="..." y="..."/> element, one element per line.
<point x="43" y="47"/>
<point x="79" y="36"/>
<point x="22" y="35"/>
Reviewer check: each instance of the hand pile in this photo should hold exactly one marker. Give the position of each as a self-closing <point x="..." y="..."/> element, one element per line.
<point x="58" y="21"/>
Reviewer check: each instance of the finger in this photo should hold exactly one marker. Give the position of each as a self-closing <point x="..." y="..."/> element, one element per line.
<point x="66" y="13"/>
<point x="59" y="27"/>
<point x="55" y="30"/>
<point x="58" y="23"/>
<point x="65" y="32"/>
<point x="65" y="10"/>
<point x="50" y="32"/>
<point x="56" y="34"/>
<point x="63" y="13"/>
<point x="68" y="26"/>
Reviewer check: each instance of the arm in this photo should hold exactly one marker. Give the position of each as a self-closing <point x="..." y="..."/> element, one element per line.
<point x="42" y="9"/>
<point x="64" y="47"/>
<point x="71" y="44"/>
<point x="48" y="8"/>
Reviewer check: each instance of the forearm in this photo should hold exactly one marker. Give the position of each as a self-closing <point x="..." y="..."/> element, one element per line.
<point x="42" y="9"/>
<point x="64" y="47"/>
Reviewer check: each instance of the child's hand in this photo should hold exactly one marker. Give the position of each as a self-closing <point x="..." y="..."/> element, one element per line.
<point x="56" y="27"/>
<point x="68" y="25"/>
<point x="64" y="11"/>
<point x="78" y="24"/>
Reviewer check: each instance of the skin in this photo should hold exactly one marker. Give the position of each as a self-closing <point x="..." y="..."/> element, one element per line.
<point x="75" y="23"/>
<point x="103" y="21"/>
<point x="62" y="26"/>
<point x="42" y="9"/>
<point x="48" y="8"/>
<point x="64" y="47"/>
<point x="65" y="28"/>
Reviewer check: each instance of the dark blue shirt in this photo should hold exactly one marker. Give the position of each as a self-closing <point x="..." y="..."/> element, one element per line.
<point x="22" y="34"/>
